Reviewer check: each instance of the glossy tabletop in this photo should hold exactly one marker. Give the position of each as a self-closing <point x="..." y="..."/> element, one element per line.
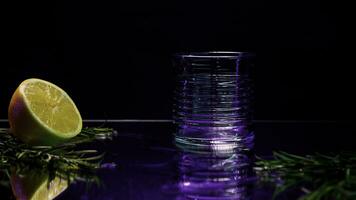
<point x="142" y="161"/>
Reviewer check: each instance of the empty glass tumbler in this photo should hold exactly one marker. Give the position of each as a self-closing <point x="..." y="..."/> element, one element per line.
<point x="212" y="100"/>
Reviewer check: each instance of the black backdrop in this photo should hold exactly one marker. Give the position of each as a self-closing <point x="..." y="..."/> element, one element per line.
<point x="113" y="58"/>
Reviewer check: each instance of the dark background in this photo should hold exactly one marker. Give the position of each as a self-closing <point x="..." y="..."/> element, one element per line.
<point x="114" y="59"/>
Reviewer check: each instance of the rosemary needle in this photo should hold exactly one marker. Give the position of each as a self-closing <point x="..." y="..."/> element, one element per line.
<point x="319" y="176"/>
<point x="65" y="160"/>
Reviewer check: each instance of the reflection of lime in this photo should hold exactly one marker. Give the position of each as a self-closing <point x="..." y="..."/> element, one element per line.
<point x="41" y="113"/>
<point x="35" y="186"/>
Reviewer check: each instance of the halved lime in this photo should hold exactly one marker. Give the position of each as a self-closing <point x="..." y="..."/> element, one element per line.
<point x="41" y="113"/>
<point x="36" y="185"/>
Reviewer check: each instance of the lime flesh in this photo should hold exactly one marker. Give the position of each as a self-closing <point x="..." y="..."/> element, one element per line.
<point x="41" y="113"/>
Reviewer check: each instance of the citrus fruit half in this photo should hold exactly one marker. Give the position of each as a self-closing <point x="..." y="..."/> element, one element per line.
<point x="41" y="113"/>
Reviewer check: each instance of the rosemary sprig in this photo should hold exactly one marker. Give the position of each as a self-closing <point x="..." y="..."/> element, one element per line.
<point x="68" y="160"/>
<point x="319" y="176"/>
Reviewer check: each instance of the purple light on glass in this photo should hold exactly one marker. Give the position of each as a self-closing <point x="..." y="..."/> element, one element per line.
<point x="224" y="176"/>
<point x="212" y="107"/>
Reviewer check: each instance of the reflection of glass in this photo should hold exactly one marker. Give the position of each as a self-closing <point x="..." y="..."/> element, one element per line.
<point x="212" y="99"/>
<point x="214" y="175"/>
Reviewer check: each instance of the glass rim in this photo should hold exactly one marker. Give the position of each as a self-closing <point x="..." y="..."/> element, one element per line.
<point x="214" y="54"/>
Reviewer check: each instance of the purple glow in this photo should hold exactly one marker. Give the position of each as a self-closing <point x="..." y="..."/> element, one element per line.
<point x="205" y="175"/>
<point x="212" y="115"/>
<point x="212" y="99"/>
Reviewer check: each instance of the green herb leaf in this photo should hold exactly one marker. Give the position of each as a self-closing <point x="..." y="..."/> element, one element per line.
<point x="319" y="176"/>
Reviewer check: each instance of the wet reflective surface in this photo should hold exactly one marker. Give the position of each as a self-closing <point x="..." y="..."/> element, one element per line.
<point x="143" y="162"/>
